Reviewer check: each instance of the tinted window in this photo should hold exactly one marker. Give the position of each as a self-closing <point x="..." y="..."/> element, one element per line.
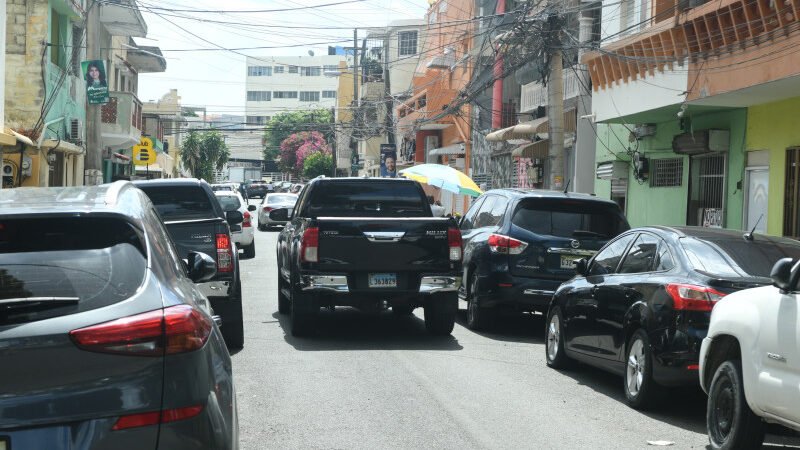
<point x="498" y="210"/>
<point x="664" y="261"/>
<point x="607" y="260"/>
<point x="280" y="199"/>
<point x="484" y="217"/>
<point x="367" y="199"/>
<point x="738" y="257"/>
<point x="469" y="218"/>
<point x="85" y="261"/>
<point x="222" y="188"/>
<point x="642" y="255"/>
<point x="570" y="218"/>
<point x="229" y="202"/>
<point x="180" y="202"/>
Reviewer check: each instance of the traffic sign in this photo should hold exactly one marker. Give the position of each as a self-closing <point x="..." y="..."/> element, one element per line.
<point x="143" y="156"/>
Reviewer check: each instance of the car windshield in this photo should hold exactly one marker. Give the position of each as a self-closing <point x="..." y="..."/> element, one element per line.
<point x="180" y="202"/>
<point x="726" y="257"/>
<point x="366" y="199"/>
<point x="229" y="202"/>
<point x="570" y="218"/>
<point x="281" y="199"/>
<point x="53" y="266"/>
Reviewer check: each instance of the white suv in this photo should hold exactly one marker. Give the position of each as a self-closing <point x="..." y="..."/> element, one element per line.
<point x="750" y="361"/>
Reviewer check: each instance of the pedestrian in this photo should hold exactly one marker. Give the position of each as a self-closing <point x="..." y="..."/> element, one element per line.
<point x="436" y="207"/>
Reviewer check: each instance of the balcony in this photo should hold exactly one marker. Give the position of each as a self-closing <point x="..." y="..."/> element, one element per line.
<point x="535" y="94"/>
<point x="121" y="121"/>
<point x="123" y="18"/>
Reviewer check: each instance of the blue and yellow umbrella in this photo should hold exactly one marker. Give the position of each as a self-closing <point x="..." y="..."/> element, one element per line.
<point x="443" y="177"/>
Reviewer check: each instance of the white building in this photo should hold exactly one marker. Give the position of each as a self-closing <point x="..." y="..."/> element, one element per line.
<point x="277" y="84"/>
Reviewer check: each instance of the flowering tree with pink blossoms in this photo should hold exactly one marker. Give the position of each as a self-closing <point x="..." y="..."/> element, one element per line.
<point x="297" y="147"/>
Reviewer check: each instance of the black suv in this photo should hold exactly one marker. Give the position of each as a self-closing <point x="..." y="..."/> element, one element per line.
<point x="520" y="245"/>
<point x="257" y="188"/>
<point x="196" y="222"/>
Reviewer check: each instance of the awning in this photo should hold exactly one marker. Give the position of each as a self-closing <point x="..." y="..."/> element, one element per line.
<point x="455" y="149"/>
<point x="61" y="146"/>
<point x="122" y="157"/>
<point x="534" y="150"/>
<point x="526" y="130"/>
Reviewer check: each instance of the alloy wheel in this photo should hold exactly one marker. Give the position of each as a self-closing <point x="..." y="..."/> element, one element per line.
<point x="553" y="337"/>
<point x="636" y="366"/>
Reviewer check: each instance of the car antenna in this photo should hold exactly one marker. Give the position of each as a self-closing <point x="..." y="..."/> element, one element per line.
<point x="749" y="236"/>
<point x="567" y="186"/>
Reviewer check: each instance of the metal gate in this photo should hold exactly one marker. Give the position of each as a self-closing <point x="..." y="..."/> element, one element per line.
<point x="791" y="222"/>
<point x="707" y="191"/>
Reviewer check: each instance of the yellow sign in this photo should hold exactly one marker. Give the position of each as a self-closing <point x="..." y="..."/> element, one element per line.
<point x="143" y="156"/>
<point x="146" y="142"/>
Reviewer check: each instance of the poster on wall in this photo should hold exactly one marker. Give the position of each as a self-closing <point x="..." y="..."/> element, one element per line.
<point x="94" y="72"/>
<point x="388" y="160"/>
<point x="712" y="217"/>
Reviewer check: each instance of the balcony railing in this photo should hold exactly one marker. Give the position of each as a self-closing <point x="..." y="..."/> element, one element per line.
<point x="535" y="94"/>
<point x="121" y="120"/>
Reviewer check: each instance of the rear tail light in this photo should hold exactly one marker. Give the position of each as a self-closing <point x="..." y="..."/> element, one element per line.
<point x="246" y="223"/>
<point x="177" y="329"/>
<point x="266" y="209"/>
<point x="309" y="245"/>
<point x="455" y="243"/>
<point x="156" y="417"/>
<point x="224" y="253"/>
<point x="506" y="245"/>
<point x="687" y="297"/>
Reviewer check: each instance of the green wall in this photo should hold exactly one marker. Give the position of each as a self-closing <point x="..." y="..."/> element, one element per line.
<point x="774" y="127"/>
<point x="70" y="92"/>
<point x="667" y="205"/>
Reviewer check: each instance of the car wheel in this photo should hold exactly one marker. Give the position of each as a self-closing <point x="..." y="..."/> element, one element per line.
<point x="730" y="421"/>
<point x="284" y="306"/>
<point x="302" y="320"/>
<point x="261" y="227"/>
<point x="440" y="313"/>
<point x="232" y="322"/>
<point x="402" y="310"/>
<point x="555" y="355"/>
<point x="250" y="250"/>
<point x="641" y="391"/>
<point x="478" y="318"/>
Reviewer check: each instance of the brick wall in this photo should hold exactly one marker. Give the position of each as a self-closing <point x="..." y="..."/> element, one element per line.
<point x="26" y="28"/>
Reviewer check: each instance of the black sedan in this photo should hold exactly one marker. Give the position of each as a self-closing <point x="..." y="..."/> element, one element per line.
<point x="641" y="306"/>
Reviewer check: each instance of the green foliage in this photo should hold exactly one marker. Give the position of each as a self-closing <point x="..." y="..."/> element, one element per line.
<point x="317" y="164"/>
<point x="285" y="124"/>
<point x="203" y="152"/>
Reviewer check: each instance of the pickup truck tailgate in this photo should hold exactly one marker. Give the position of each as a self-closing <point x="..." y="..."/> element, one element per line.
<point x="195" y="235"/>
<point x="374" y="245"/>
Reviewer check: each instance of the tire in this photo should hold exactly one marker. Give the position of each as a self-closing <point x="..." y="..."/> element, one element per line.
<point x="731" y="423"/>
<point x="303" y="321"/>
<point x="641" y="391"/>
<point x="440" y="313"/>
<point x="250" y="250"/>
<point x="478" y="318"/>
<point x="404" y="310"/>
<point x="284" y="307"/>
<point x="555" y="355"/>
<point x="261" y="227"/>
<point x="232" y="323"/>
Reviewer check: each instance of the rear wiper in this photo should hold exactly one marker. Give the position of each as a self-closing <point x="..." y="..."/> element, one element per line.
<point x="29" y="301"/>
<point x="587" y="233"/>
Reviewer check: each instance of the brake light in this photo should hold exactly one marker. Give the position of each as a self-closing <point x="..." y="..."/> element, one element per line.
<point x="246" y="222"/>
<point x="455" y="243"/>
<point x="266" y="209"/>
<point x="155" y="417"/>
<point x="224" y="253"/>
<point x="309" y="245"/>
<point x="177" y="329"/>
<point x="506" y="245"/>
<point x="687" y="297"/>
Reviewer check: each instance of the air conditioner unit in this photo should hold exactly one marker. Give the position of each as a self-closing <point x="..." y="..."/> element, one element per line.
<point x="699" y="142"/>
<point x="612" y="170"/>
<point x="75" y="131"/>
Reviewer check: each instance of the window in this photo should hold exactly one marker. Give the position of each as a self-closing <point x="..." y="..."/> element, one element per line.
<point x="374" y="199"/>
<point x="607" y="260"/>
<point x="330" y="68"/>
<point x="284" y="94"/>
<point x="569" y="219"/>
<point x="642" y="255"/>
<point x="311" y="71"/>
<point x="735" y="257"/>
<point x="229" y="202"/>
<point x="706" y="191"/>
<point x="259" y="96"/>
<point x="407" y="43"/>
<point x="484" y="217"/>
<point x="469" y="218"/>
<point x="292" y="69"/>
<point x="76" y="51"/>
<point x="328" y="94"/>
<point x="666" y="172"/>
<point x="259" y="71"/>
<point x="257" y="120"/>
<point x="278" y="69"/>
<point x="309" y="96"/>
<point x="58" y="39"/>
<point x="180" y="202"/>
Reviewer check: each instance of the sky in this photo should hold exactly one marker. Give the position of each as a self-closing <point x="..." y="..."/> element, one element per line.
<point x="216" y="79"/>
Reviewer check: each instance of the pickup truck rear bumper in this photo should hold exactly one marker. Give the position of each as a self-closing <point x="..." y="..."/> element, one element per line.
<point x="338" y="284"/>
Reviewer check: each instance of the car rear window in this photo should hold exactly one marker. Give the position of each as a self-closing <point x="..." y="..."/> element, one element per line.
<point x="570" y="218"/>
<point x="738" y="257"/>
<point x="367" y="199"/>
<point x="222" y="188"/>
<point x="180" y="202"/>
<point x="82" y="262"/>
<point x="229" y="202"/>
<point x="281" y="198"/>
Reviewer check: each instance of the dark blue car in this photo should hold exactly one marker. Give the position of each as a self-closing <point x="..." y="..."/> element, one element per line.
<point x="520" y="245"/>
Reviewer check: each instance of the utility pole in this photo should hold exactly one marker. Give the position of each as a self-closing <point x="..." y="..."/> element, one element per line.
<point x="93" y="173"/>
<point x="355" y="105"/>
<point x="2" y="82"/>
<point x="497" y="73"/>
<point x="584" y="159"/>
<point x="555" y="107"/>
<point x="387" y="91"/>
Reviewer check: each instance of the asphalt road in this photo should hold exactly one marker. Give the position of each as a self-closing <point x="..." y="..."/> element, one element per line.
<point x="377" y="381"/>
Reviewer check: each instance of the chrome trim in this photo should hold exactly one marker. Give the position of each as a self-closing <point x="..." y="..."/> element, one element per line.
<point x="331" y="283"/>
<point x="384" y="236"/>
<point x="571" y="251"/>
<point x="538" y="292"/>
<point x="217" y="320"/>
<point x="433" y="284"/>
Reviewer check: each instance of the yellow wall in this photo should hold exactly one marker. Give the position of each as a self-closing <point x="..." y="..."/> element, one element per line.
<point x="774" y="127"/>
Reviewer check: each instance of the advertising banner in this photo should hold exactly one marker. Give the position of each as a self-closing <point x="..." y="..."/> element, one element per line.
<point x="94" y="72"/>
<point x="388" y="160"/>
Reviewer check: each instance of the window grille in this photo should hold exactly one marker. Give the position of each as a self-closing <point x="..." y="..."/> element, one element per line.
<point x="284" y="94"/>
<point x="408" y="43"/>
<point x="259" y="96"/>
<point x="309" y="96"/>
<point x="666" y="172"/>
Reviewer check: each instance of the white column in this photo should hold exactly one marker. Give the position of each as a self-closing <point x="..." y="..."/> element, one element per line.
<point x="585" y="140"/>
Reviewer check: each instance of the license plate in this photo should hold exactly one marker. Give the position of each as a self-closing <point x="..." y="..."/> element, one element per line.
<point x="568" y="262"/>
<point x="381" y="280"/>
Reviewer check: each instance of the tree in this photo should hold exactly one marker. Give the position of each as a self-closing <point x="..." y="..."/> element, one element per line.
<point x="285" y="124"/>
<point x="203" y="152"/>
<point x="298" y="146"/>
<point x="317" y="164"/>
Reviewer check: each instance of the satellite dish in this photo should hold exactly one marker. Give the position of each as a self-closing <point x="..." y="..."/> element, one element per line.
<point x="311" y="53"/>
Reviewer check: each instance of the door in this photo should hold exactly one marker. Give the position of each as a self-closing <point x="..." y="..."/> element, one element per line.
<point x="778" y="349"/>
<point x="756" y="198"/>
<point x="707" y="191"/>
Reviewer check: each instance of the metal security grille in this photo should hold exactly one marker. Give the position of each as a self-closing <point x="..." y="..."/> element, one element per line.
<point x="707" y="191"/>
<point x="791" y="208"/>
<point x="666" y="172"/>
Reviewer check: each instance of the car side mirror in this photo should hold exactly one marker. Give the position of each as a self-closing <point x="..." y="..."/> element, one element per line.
<point x="279" y="215"/>
<point x="581" y="266"/>
<point x="201" y="267"/>
<point x="782" y="275"/>
<point x="234" y="217"/>
<point x="251" y="208"/>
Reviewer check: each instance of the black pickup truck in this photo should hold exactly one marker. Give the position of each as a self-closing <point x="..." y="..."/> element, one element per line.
<point x="196" y="222"/>
<point x="370" y="244"/>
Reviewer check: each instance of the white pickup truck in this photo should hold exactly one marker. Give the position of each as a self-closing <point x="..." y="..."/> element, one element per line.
<point x="750" y="361"/>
